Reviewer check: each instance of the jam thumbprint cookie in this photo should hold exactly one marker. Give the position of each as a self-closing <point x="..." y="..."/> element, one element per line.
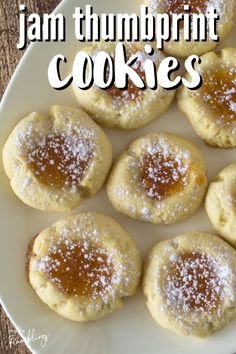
<point x="212" y="108"/>
<point x="190" y="283"/>
<point x="160" y="179"/>
<point x="221" y="203"/>
<point x="127" y="108"/>
<point x="185" y="47"/>
<point x="83" y="265"/>
<point x="55" y="161"/>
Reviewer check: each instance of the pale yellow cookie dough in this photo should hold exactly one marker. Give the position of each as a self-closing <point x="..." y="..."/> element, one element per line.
<point x="212" y="108"/>
<point x="221" y="203"/>
<point x="160" y="178"/>
<point x="183" y="48"/>
<point x="54" y="161"/>
<point x="190" y="283"/>
<point x="83" y="265"/>
<point x="124" y="109"/>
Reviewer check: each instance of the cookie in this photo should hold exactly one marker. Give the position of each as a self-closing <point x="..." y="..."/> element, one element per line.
<point x="54" y="161"/>
<point x="160" y="178"/>
<point x="125" y="108"/>
<point x="212" y="108"/>
<point x="190" y="283"/>
<point x="83" y="265"/>
<point x="183" y="47"/>
<point x="221" y="203"/>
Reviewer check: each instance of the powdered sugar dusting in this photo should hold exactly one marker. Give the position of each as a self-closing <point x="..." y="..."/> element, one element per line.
<point x="219" y="93"/>
<point x="157" y="179"/>
<point x="125" y="98"/>
<point x="84" y="266"/>
<point x="163" y="173"/>
<point x="177" y="6"/>
<point x="196" y="287"/>
<point x="78" y="268"/>
<point x="58" y="159"/>
<point x="193" y="283"/>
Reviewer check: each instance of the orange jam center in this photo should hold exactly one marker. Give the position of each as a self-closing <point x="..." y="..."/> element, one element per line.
<point x="132" y="92"/>
<point x="60" y="161"/>
<point x="219" y="92"/>
<point x="162" y="176"/>
<point x="192" y="283"/>
<point x="200" y="177"/>
<point x="177" y="6"/>
<point x="78" y="268"/>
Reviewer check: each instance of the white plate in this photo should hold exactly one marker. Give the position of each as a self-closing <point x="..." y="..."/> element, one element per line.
<point x="130" y="330"/>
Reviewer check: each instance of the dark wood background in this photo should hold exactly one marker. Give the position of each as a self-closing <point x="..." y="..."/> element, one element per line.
<point x="9" y="58"/>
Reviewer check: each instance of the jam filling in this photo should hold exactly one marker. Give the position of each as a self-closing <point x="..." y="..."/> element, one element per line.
<point x="177" y="6"/>
<point x="193" y="283"/>
<point x="162" y="176"/>
<point x="78" y="268"/>
<point x="132" y="92"/>
<point x="219" y="93"/>
<point x="60" y="161"/>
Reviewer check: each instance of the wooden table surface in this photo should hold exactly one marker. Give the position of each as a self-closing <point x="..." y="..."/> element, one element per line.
<point x="9" y="58"/>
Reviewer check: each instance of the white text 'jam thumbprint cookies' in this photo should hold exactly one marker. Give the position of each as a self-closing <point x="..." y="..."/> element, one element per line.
<point x="125" y="108"/>
<point x="190" y="283"/>
<point x="184" y="47"/>
<point x="221" y="203"/>
<point x="160" y="179"/>
<point x="55" y="161"/>
<point x="83" y="265"/>
<point x="212" y="108"/>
